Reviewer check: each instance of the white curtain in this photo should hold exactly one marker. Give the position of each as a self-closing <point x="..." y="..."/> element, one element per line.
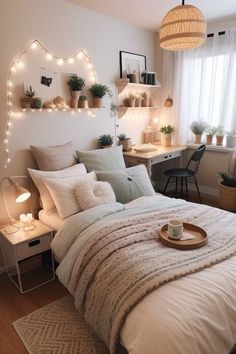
<point x="202" y="83"/>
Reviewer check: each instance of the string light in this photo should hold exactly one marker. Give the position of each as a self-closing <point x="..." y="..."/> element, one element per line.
<point x="19" y="64"/>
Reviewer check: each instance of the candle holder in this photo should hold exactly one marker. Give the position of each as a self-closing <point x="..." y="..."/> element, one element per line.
<point x="27" y="221"/>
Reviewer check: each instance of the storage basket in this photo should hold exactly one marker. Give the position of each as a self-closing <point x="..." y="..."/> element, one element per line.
<point x="227" y="199"/>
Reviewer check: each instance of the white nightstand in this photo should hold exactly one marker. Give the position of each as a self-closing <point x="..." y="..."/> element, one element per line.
<point x="27" y="255"/>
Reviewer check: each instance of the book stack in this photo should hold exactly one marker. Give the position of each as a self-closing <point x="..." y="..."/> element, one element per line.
<point x="149" y="78"/>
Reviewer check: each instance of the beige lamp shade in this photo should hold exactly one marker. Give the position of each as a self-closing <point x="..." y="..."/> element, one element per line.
<point x="21" y="193"/>
<point x="183" y="27"/>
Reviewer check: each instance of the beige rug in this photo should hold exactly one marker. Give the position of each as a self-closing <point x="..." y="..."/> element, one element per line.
<point x="58" y="328"/>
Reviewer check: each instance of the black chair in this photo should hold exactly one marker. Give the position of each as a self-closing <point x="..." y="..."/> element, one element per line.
<point x="184" y="173"/>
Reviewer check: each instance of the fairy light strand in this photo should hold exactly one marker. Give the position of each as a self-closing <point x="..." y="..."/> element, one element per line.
<point x="19" y="64"/>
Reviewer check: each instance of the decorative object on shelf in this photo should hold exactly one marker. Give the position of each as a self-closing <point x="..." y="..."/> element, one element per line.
<point x="98" y="91"/>
<point x="168" y="102"/>
<point x="26" y="102"/>
<point x="105" y="140"/>
<point x="152" y="102"/>
<point x="198" y="128"/>
<point x="148" y="78"/>
<point x="83" y="101"/>
<point x="149" y="135"/>
<point x="166" y="135"/>
<point x="183" y="27"/>
<point x="130" y="63"/>
<point x="145" y="100"/>
<point x="125" y="142"/>
<point x="36" y="103"/>
<point x="210" y="132"/>
<point x="133" y="78"/>
<point x="138" y="101"/>
<point x="219" y="135"/>
<point x="123" y="80"/>
<point x="60" y="103"/>
<point x="131" y="100"/>
<point x="27" y="221"/>
<point x="21" y="195"/>
<point x="49" y="105"/>
<point x="231" y="139"/>
<point x="76" y="84"/>
<point x="145" y="148"/>
<point x="227" y="186"/>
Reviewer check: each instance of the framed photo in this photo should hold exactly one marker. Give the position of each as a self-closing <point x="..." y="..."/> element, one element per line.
<point x="130" y="62"/>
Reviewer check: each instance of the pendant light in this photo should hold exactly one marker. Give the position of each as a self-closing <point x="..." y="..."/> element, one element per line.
<point x="183" y="27"/>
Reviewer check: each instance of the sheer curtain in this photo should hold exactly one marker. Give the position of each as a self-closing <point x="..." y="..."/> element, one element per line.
<point x="203" y="85"/>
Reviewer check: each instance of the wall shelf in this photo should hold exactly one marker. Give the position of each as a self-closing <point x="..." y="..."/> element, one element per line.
<point x="130" y="85"/>
<point x="123" y="110"/>
<point x="61" y="110"/>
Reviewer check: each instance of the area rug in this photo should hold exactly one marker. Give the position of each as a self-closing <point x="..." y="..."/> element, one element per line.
<point x="58" y="328"/>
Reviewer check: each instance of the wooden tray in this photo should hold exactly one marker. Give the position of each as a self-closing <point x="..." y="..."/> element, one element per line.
<point x="145" y="148"/>
<point x="199" y="241"/>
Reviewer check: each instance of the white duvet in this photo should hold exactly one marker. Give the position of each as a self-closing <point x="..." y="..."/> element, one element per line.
<point x="195" y="314"/>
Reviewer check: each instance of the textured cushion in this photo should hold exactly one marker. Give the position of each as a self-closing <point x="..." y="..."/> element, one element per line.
<point x="92" y="194"/>
<point x="129" y="184"/>
<point x="103" y="159"/>
<point x="38" y="177"/>
<point x="62" y="191"/>
<point x="53" y="158"/>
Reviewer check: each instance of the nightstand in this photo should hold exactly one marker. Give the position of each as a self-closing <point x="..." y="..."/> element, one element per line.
<point x="27" y="256"/>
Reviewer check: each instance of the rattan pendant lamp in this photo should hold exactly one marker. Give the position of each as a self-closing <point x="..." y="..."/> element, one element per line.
<point x="183" y="27"/>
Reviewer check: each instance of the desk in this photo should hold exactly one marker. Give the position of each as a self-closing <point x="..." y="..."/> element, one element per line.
<point x="149" y="159"/>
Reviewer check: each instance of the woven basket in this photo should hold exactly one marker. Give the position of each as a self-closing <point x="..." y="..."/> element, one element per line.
<point x="227" y="199"/>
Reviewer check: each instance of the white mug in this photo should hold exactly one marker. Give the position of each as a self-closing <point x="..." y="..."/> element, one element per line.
<point x="175" y="229"/>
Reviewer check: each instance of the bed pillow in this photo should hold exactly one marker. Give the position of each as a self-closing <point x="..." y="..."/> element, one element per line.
<point x="54" y="158"/>
<point x="103" y="159"/>
<point x="90" y="195"/>
<point x="62" y="191"/>
<point x="38" y="177"/>
<point x="129" y="184"/>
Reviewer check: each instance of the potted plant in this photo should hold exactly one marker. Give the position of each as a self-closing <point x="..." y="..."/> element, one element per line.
<point x="125" y="142"/>
<point x="210" y="134"/>
<point x="166" y="131"/>
<point x="131" y="100"/>
<point x="145" y="100"/>
<point x="76" y="84"/>
<point x="227" y="187"/>
<point x="27" y="101"/>
<point x="198" y="128"/>
<point x="98" y="91"/>
<point x="83" y="101"/>
<point x="105" y="140"/>
<point x="231" y="139"/>
<point x="138" y="101"/>
<point x="219" y="135"/>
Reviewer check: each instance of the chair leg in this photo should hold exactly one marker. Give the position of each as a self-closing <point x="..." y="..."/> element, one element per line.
<point x="197" y="189"/>
<point x="176" y="187"/>
<point x="186" y="186"/>
<point x="182" y="186"/>
<point x="168" y="180"/>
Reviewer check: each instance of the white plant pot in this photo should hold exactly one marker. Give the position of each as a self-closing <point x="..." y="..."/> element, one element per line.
<point x="230" y="141"/>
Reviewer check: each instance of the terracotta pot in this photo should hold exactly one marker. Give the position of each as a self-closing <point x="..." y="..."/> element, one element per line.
<point x="209" y="138"/>
<point x="83" y="104"/>
<point x="26" y="102"/>
<point x="219" y="139"/>
<point x="97" y="102"/>
<point x="145" y="102"/>
<point x="126" y="144"/>
<point x="73" y="103"/>
<point x="166" y="140"/>
<point x="138" y="102"/>
<point x="197" y="138"/>
<point x="131" y="102"/>
<point x="75" y="94"/>
<point x="227" y="197"/>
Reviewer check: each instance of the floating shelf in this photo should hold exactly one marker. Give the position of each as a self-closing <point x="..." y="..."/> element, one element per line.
<point x="60" y="110"/>
<point x="121" y="86"/>
<point x="123" y="110"/>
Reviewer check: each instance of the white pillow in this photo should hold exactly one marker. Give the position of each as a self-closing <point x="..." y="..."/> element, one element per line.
<point x="62" y="191"/>
<point x="38" y="177"/>
<point x="92" y="194"/>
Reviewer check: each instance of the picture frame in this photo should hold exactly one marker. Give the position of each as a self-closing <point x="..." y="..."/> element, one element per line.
<point x="130" y="62"/>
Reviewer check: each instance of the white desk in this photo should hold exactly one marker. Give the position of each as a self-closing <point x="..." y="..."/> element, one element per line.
<point x="149" y="159"/>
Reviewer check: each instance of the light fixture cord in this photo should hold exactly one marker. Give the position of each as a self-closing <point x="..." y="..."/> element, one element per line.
<point x="182" y="2"/>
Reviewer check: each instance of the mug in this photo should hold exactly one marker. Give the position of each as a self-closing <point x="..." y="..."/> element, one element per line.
<point x="175" y="229"/>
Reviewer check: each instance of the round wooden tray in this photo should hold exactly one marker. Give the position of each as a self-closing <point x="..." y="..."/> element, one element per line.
<point x="145" y="148"/>
<point x="199" y="241"/>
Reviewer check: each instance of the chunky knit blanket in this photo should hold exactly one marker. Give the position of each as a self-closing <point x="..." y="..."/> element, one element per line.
<point x="125" y="260"/>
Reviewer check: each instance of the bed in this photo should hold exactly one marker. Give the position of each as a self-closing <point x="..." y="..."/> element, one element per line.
<point x="191" y="310"/>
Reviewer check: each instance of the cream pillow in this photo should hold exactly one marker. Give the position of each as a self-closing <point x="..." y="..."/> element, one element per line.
<point x="38" y="177"/>
<point x="93" y="194"/>
<point x="53" y="158"/>
<point x="62" y="191"/>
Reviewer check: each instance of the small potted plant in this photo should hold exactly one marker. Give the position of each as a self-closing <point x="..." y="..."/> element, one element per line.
<point x="210" y="134"/>
<point x="125" y="142"/>
<point x="105" y="141"/>
<point x="131" y="100"/>
<point x="219" y="135"/>
<point x="76" y="84"/>
<point x="98" y="91"/>
<point x="83" y="101"/>
<point x="166" y="131"/>
<point x="138" y="100"/>
<point x="145" y="100"/>
<point x="198" y="128"/>
<point x="227" y="187"/>
<point x="27" y="101"/>
<point x="231" y="139"/>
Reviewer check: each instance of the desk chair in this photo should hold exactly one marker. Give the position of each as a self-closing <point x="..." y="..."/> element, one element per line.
<point x="185" y="173"/>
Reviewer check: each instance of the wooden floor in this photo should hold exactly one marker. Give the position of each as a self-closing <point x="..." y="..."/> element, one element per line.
<point x="14" y="305"/>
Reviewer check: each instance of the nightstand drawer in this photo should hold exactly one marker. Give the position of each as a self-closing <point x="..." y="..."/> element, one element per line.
<point x="32" y="247"/>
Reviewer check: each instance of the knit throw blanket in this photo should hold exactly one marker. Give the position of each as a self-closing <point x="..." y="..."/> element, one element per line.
<point x="125" y="261"/>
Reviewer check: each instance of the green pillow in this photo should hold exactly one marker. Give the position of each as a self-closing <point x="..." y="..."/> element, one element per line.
<point x="102" y="159"/>
<point x="129" y="184"/>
